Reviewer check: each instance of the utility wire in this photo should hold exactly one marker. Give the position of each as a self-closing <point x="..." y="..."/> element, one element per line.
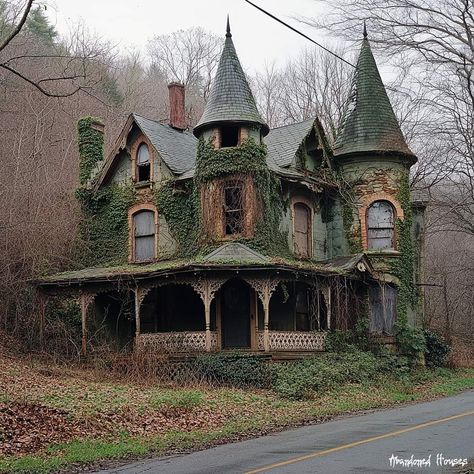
<point x="299" y="32"/>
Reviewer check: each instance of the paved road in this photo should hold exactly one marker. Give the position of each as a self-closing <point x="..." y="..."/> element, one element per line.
<point x="359" y="444"/>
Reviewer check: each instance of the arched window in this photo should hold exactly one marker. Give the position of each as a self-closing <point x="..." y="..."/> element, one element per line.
<point x="302" y="230"/>
<point x="233" y="208"/>
<point x="380" y="226"/>
<point x="143" y="163"/>
<point x="144" y="236"/>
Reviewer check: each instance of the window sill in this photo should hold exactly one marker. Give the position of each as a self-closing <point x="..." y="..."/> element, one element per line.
<point x="143" y="184"/>
<point x="383" y="253"/>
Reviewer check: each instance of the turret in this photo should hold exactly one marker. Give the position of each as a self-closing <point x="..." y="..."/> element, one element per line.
<point x="231" y="114"/>
<point x="373" y="157"/>
<point x="230" y="155"/>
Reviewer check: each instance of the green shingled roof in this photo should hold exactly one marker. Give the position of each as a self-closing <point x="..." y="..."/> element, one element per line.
<point x="369" y="123"/>
<point x="230" y="98"/>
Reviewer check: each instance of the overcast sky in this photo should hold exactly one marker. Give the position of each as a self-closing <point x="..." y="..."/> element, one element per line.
<point x="131" y="23"/>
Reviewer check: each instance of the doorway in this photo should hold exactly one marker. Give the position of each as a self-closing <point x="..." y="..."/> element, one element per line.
<point x="235" y="314"/>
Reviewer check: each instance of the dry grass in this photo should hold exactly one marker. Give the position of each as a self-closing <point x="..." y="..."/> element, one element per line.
<point x="55" y="415"/>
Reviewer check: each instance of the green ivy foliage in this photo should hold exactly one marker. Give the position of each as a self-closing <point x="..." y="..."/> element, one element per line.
<point x="410" y="341"/>
<point x="179" y="207"/>
<point x="353" y="236"/>
<point x="248" y="158"/>
<point x="104" y="227"/>
<point x="91" y="147"/>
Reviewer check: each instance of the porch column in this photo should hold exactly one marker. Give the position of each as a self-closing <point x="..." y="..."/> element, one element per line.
<point x="207" y="313"/>
<point x="85" y="300"/>
<point x="266" y="318"/>
<point x="138" y="303"/>
<point x="327" y="295"/>
<point x="206" y="288"/>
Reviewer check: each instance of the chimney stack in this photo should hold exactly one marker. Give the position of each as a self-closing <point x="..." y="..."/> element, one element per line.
<point x="177" y="112"/>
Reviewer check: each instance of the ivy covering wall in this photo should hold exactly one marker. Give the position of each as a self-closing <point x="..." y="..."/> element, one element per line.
<point x="104" y="226"/>
<point x="91" y="146"/>
<point x="181" y="204"/>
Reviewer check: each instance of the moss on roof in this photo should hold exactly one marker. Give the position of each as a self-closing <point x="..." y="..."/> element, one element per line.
<point x="369" y="123"/>
<point x="230" y="98"/>
<point x="342" y="266"/>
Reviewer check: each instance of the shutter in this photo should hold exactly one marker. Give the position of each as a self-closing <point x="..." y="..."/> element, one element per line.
<point x="144" y="225"/>
<point x="302" y="230"/>
<point x="380" y="226"/>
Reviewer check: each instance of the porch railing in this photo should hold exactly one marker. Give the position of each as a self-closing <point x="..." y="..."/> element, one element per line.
<point x="292" y="340"/>
<point x="186" y="341"/>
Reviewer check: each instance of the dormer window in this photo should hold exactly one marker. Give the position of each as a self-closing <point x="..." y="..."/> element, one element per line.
<point x="229" y="136"/>
<point x="143" y="163"/>
<point x="233" y="208"/>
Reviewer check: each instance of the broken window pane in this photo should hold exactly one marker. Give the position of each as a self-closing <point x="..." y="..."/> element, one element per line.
<point x="380" y="226"/>
<point x="143" y="163"/>
<point x="233" y="208"/>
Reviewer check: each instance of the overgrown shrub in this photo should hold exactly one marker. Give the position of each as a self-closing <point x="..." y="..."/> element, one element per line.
<point x="349" y="341"/>
<point x="437" y="349"/>
<point x="410" y="341"/>
<point x="234" y="369"/>
<point x="304" y="379"/>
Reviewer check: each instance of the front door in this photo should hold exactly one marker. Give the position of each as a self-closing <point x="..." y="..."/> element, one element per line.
<point x="235" y="314"/>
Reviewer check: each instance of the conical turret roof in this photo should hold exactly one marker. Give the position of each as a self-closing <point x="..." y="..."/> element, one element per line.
<point x="369" y="123"/>
<point x="230" y="98"/>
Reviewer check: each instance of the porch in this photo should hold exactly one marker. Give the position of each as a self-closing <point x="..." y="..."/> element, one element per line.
<point x="189" y="309"/>
<point x="195" y="341"/>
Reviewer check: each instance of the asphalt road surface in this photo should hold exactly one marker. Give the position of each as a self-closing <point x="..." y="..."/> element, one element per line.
<point x="371" y="443"/>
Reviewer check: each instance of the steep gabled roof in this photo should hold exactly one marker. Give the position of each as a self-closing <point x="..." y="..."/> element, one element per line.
<point x="369" y="123"/>
<point x="230" y="98"/>
<point x="284" y="142"/>
<point x="176" y="148"/>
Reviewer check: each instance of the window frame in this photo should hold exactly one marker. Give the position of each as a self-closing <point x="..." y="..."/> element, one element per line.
<point x="228" y="184"/>
<point x="304" y="202"/>
<point x="137" y="209"/>
<point x="393" y="228"/>
<point x="141" y="140"/>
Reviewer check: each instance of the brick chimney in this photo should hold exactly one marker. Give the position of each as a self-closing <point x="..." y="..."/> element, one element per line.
<point x="177" y="112"/>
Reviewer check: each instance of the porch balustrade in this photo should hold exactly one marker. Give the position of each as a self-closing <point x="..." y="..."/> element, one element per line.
<point x="292" y="340"/>
<point x="186" y="341"/>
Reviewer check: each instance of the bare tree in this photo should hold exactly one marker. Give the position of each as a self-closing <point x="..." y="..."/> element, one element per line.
<point x="67" y="66"/>
<point x="188" y="56"/>
<point x="315" y="83"/>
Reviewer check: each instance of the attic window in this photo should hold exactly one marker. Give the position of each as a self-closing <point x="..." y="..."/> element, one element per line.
<point x="143" y="163"/>
<point x="233" y="208"/>
<point x="229" y="136"/>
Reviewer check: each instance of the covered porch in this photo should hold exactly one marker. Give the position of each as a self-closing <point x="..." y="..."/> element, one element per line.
<point x="193" y="308"/>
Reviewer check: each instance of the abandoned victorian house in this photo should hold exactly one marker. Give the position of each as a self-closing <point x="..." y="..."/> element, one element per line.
<point x="235" y="236"/>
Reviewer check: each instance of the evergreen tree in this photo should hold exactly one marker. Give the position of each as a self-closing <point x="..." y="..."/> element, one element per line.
<point x="38" y="25"/>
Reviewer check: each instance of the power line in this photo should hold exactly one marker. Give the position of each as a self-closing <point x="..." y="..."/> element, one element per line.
<point x="299" y="32"/>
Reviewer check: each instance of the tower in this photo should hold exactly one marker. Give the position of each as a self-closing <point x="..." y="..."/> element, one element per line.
<point x="374" y="161"/>
<point x="230" y="154"/>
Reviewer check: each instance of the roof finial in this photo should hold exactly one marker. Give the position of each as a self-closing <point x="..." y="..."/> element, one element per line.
<point x="365" y="30"/>
<point x="228" y="33"/>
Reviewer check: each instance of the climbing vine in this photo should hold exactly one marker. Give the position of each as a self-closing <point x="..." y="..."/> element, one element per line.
<point x="410" y="340"/>
<point x="178" y="205"/>
<point x="247" y="159"/>
<point x="104" y="227"/>
<point x="352" y="231"/>
<point x="91" y="146"/>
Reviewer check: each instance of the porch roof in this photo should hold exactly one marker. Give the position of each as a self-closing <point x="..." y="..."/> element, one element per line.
<point x="353" y="265"/>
